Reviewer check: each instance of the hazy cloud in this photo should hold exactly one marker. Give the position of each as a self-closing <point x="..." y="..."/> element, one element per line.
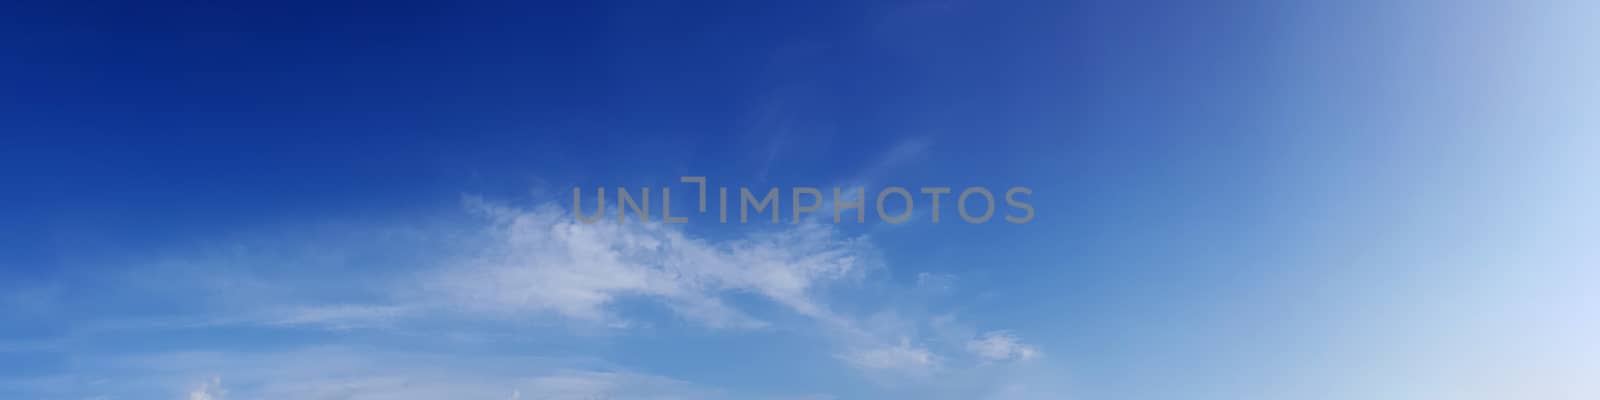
<point x="1000" y="346"/>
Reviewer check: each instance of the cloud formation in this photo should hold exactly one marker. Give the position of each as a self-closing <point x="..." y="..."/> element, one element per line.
<point x="208" y="390"/>
<point x="902" y="358"/>
<point x="1000" y="346"/>
<point x="521" y="263"/>
<point x="543" y="260"/>
<point x="365" y="373"/>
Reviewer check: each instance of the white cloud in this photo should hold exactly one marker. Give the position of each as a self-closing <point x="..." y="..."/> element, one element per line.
<point x="361" y="373"/>
<point x="522" y="263"/>
<point x="936" y="282"/>
<point x="579" y="385"/>
<point x="899" y="358"/>
<point x="867" y="180"/>
<point x="543" y="259"/>
<point x="208" y="390"/>
<point x="1000" y="346"/>
<point x="339" y="316"/>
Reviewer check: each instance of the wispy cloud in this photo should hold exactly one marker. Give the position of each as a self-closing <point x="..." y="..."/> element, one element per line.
<point x="337" y="316"/>
<point x="208" y="390"/>
<point x="1000" y="346"/>
<point x="538" y="262"/>
<point x="364" y="373"/>
<point x="866" y="180"/>
<point x="543" y="260"/>
<point x="901" y="358"/>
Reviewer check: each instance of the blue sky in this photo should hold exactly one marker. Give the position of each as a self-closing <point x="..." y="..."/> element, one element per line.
<point x="316" y="200"/>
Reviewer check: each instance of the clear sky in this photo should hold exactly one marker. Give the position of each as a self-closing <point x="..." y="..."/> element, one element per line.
<point x="1235" y="200"/>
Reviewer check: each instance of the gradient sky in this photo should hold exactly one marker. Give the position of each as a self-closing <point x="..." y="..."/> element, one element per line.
<point x="1237" y="200"/>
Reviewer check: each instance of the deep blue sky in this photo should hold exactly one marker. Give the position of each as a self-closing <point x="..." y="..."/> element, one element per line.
<point x="1234" y="199"/>
<point x="182" y="118"/>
